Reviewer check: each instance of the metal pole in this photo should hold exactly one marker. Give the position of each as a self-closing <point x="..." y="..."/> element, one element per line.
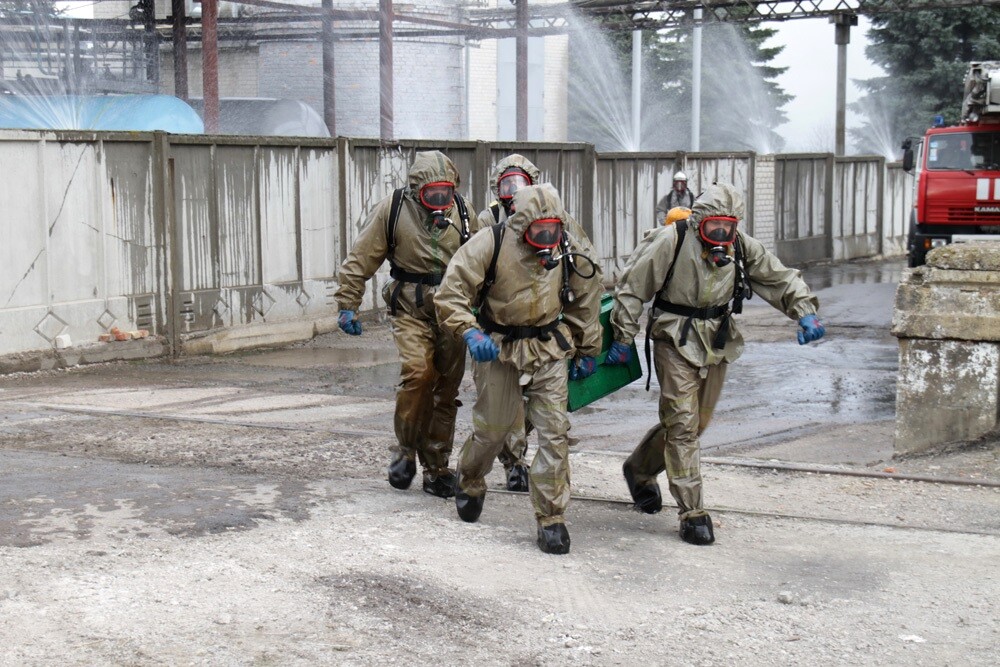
<point x="385" y="69"/>
<point x="179" y="12"/>
<point x="843" y="23"/>
<point x="636" y="90"/>
<point x="210" y="63"/>
<point x="696" y="82"/>
<point x="522" y="70"/>
<point x="329" y="103"/>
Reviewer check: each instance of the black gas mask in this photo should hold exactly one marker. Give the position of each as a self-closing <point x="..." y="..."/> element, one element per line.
<point x="718" y="232"/>
<point x="437" y="198"/>
<point x="545" y="234"/>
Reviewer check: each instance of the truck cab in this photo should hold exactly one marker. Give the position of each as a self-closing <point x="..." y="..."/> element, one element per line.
<point x="957" y="172"/>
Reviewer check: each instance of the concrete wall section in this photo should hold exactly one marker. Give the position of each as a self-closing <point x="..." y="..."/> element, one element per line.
<point x="947" y="318"/>
<point x="857" y="212"/>
<point x="79" y="256"/>
<point x="897" y="203"/>
<point x="947" y="392"/>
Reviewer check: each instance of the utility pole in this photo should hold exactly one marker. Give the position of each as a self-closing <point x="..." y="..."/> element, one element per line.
<point x="522" y="69"/>
<point x="696" y="81"/>
<point x="842" y="23"/>
<point x="329" y="102"/>
<point x="636" y="90"/>
<point x="385" y="69"/>
<point x="210" y="63"/>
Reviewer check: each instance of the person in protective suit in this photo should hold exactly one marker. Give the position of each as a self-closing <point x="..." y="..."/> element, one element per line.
<point x="535" y="312"/>
<point x="508" y="176"/>
<point x="679" y="195"/>
<point x="430" y="224"/>
<point x="698" y="272"/>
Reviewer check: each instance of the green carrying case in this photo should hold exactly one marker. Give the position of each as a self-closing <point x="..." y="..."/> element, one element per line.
<point x="607" y="379"/>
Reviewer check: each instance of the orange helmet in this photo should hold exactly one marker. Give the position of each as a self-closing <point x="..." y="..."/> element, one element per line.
<point x="675" y="214"/>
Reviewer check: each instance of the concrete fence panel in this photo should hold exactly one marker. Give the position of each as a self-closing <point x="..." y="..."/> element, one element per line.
<point x="803" y="205"/>
<point x="79" y="250"/>
<point x="202" y="239"/>
<point x="897" y="205"/>
<point x="857" y="211"/>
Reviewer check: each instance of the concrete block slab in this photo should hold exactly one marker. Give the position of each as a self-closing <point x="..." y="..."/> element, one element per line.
<point x="947" y="392"/>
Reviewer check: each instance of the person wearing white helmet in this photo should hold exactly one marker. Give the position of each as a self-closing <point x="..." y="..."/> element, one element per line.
<point x="679" y="195"/>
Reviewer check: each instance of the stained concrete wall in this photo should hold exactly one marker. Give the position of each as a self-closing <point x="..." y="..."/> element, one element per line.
<point x="947" y="319"/>
<point x="219" y="243"/>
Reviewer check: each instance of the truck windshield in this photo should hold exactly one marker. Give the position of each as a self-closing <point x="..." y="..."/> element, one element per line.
<point x="964" y="150"/>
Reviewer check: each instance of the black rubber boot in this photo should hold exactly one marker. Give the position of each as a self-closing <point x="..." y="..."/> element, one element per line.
<point x="469" y="507"/>
<point x="517" y="478"/>
<point x="646" y="497"/>
<point x="442" y="486"/>
<point x="401" y="472"/>
<point x="553" y="539"/>
<point x="697" y="530"/>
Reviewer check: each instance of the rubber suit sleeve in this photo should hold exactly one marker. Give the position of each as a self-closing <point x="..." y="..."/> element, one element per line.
<point x="462" y="280"/>
<point x="369" y="251"/>
<point x="777" y="284"/>
<point x="641" y="280"/>
<point x="583" y="315"/>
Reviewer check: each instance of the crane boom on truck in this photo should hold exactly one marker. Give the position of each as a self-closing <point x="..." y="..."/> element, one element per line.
<point x="957" y="195"/>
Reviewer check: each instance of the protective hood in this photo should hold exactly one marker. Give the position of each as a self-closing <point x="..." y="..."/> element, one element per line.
<point x="513" y="160"/>
<point x="718" y="199"/>
<point x="534" y="203"/>
<point x="431" y="167"/>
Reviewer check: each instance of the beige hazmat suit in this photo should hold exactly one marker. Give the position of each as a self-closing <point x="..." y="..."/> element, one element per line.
<point x="432" y="360"/>
<point x="691" y="375"/>
<point x="516" y="445"/>
<point x="534" y="367"/>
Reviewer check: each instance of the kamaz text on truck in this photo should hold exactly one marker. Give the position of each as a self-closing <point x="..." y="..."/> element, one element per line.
<point x="957" y="195"/>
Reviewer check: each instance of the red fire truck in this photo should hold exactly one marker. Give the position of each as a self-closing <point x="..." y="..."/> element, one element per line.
<point x="957" y="195"/>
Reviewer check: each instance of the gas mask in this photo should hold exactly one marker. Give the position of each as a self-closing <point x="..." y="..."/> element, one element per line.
<point x="512" y="180"/>
<point x="545" y="235"/>
<point x="437" y="198"/>
<point x="718" y="232"/>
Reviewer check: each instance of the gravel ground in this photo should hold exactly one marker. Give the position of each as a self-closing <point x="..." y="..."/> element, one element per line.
<point x="232" y="511"/>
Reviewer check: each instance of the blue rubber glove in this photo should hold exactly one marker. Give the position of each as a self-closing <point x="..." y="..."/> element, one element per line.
<point x="582" y="367"/>
<point x="348" y="324"/>
<point x="481" y="347"/>
<point x="812" y="329"/>
<point x="620" y="353"/>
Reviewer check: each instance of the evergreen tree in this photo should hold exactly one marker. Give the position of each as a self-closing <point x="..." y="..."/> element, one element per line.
<point x="925" y="55"/>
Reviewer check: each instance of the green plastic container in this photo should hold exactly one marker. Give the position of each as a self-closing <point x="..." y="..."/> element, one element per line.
<point x="607" y="379"/>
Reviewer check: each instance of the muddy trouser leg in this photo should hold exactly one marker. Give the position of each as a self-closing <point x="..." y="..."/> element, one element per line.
<point x="496" y="411"/>
<point x="449" y="361"/>
<point x="550" y="479"/>
<point x="515" y="445"/>
<point x="688" y="395"/>
<point x="415" y="396"/>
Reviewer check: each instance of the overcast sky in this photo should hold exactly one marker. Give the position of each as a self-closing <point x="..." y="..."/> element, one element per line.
<point x="811" y="58"/>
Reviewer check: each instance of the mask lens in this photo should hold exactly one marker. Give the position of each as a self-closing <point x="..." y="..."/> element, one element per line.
<point x="718" y="230"/>
<point x="437" y="196"/>
<point x="544" y="233"/>
<point x="511" y="183"/>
